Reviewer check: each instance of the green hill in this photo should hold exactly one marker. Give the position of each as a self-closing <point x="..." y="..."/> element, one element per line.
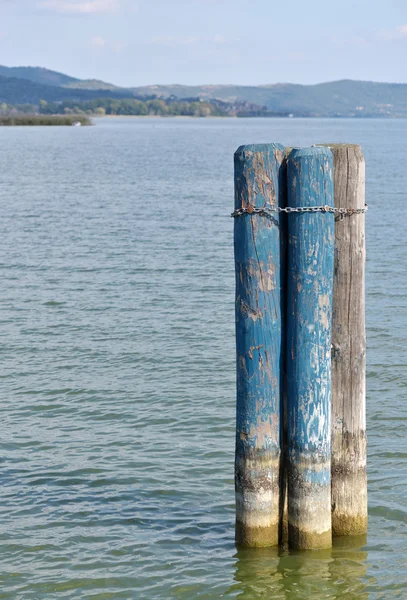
<point x="47" y="77"/>
<point x="37" y="75"/>
<point x="346" y="98"/>
<point x="16" y="91"/>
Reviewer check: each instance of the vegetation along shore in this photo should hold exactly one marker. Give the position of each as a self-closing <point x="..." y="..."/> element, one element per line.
<point x="31" y="119"/>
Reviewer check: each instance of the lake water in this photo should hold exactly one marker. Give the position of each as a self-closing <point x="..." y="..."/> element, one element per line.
<point x="117" y="371"/>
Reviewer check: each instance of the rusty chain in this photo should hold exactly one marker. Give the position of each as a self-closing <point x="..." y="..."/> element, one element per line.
<point x="270" y="209"/>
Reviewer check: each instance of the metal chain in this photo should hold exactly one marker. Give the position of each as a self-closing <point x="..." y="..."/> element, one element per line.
<point x="270" y="209"/>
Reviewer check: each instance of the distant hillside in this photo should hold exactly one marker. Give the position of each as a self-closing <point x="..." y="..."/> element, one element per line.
<point x="22" y="91"/>
<point x="48" y="77"/>
<point x="37" y="75"/>
<point x="344" y="98"/>
<point x="93" y="84"/>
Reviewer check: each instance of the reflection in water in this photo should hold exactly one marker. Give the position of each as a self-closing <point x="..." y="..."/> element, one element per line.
<point x="270" y="573"/>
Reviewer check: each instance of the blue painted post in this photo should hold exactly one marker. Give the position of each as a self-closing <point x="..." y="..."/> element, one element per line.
<point x="259" y="182"/>
<point x="310" y="281"/>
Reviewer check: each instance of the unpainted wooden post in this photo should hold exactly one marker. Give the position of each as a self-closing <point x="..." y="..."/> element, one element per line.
<point x="310" y="280"/>
<point x="349" y="481"/>
<point x="259" y="182"/>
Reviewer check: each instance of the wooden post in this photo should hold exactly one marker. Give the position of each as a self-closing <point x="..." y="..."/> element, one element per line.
<point x="310" y="280"/>
<point x="284" y="432"/>
<point x="349" y="481"/>
<point x="259" y="181"/>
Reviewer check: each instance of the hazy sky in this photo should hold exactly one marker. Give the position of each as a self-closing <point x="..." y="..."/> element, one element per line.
<point x="137" y="42"/>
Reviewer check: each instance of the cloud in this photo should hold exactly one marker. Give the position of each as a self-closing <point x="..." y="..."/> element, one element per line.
<point x="97" y="42"/>
<point x="392" y="34"/>
<point x="80" y="7"/>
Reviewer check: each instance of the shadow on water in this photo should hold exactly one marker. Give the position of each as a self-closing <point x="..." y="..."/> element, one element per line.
<point x="280" y="574"/>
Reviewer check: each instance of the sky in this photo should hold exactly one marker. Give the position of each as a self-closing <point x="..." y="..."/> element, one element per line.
<point x="248" y="42"/>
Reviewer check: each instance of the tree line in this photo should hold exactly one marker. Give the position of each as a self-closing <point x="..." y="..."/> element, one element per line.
<point x="113" y="106"/>
<point x="190" y="107"/>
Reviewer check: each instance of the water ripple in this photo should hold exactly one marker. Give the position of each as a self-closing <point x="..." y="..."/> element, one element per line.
<point x="118" y="373"/>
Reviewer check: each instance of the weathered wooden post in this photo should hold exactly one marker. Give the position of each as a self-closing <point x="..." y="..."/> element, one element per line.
<point x="349" y="481"/>
<point x="310" y="280"/>
<point x="259" y="183"/>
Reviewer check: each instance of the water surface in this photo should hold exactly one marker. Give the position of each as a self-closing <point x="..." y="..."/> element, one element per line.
<point x="117" y="379"/>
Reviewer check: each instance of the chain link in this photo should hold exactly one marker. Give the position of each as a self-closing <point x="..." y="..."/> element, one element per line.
<point x="270" y="209"/>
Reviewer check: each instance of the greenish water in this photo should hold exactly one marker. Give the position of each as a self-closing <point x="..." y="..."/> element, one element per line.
<point x="117" y="378"/>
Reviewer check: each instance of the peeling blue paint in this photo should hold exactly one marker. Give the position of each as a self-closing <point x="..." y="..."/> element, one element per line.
<point x="259" y="181"/>
<point x="309" y="310"/>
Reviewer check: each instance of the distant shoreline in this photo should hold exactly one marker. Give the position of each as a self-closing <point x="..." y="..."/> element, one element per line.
<point x="27" y="120"/>
<point x="44" y="120"/>
<point x="356" y="118"/>
<point x="165" y="117"/>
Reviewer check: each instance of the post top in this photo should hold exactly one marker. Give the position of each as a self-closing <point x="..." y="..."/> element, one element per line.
<point x="321" y="151"/>
<point x="335" y="145"/>
<point x="259" y="148"/>
<point x="346" y="150"/>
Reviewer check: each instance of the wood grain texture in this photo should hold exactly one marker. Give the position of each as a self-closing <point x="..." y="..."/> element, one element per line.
<point x="259" y="181"/>
<point x="308" y="358"/>
<point x="349" y="480"/>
